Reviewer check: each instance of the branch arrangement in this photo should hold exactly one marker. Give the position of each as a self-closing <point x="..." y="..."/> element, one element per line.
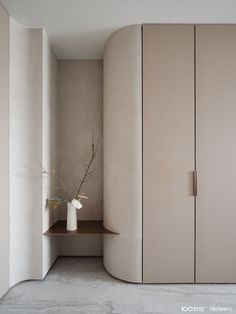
<point x="88" y="173"/>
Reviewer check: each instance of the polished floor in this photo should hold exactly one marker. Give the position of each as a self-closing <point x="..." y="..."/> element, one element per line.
<point x="81" y="286"/>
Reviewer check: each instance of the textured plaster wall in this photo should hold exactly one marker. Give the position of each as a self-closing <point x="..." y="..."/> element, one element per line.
<point x="80" y="114"/>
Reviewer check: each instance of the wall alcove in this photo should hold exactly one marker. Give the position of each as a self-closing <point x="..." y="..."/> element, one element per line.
<point x="49" y="108"/>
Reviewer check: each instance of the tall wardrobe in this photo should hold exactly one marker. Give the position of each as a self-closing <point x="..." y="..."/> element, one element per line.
<point x="170" y="153"/>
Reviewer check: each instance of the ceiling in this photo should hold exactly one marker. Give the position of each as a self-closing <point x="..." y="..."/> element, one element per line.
<point x="79" y="28"/>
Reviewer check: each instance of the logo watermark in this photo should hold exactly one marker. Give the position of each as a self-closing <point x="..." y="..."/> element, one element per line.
<point x="214" y="309"/>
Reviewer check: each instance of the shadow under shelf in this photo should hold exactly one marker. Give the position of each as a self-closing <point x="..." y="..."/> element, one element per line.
<point x="84" y="227"/>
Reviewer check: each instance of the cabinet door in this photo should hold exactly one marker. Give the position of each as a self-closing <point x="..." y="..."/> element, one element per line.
<point x="168" y="153"/>
<point x="216" y="153"/>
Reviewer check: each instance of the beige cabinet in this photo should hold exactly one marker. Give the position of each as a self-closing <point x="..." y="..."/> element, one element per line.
<point x="168" y="153"/>
<point x="216" y="153"/>
<point x="189" y="123"/>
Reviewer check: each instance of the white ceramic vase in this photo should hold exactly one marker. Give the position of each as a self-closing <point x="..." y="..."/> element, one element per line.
<point x="72" y="207"/>
<point x="71" y="224"/>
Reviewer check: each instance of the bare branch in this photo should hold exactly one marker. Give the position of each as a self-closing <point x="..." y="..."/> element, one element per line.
<point x="87" y="178"/>
<point x="55" y="175"/>
<point x="87" y="174"/>
<point x="91" y="172"/>
<point x="84" y="164"/>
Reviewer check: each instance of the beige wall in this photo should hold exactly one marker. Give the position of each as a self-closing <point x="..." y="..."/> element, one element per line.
<point x="4" y="156"/>
<point x="80" y="112"/>
<point x="122" y="120"/>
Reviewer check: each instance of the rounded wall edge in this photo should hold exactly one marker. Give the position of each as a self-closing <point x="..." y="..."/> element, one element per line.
<point x="25" y="258"/>
<point x="121" y="267"/>
<point x="119" y="32"/>
<point x="122" y="138"/>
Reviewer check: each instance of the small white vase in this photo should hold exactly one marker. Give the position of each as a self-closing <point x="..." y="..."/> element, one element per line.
<point x="71" y="224"/>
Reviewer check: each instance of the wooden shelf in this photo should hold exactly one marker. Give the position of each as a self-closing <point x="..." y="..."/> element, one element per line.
<point x="84" y="227"/>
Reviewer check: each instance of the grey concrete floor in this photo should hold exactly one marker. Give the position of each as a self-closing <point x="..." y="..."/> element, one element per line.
<point x="79" y="285"/>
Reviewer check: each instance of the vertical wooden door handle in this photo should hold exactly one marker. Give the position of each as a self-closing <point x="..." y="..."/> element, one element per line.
<point x="195" y="183"/>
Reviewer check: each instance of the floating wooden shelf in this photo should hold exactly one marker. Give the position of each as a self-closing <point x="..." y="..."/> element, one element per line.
<point x="84" y="227"/>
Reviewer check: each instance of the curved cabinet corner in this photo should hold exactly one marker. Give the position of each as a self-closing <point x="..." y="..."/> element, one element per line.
<point x="123" y="153"/>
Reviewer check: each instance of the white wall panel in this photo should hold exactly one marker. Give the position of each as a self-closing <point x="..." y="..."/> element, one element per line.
<point x="49" y="148"/>
<point x="25" y="145"/>
<point x="4" y="156"/>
